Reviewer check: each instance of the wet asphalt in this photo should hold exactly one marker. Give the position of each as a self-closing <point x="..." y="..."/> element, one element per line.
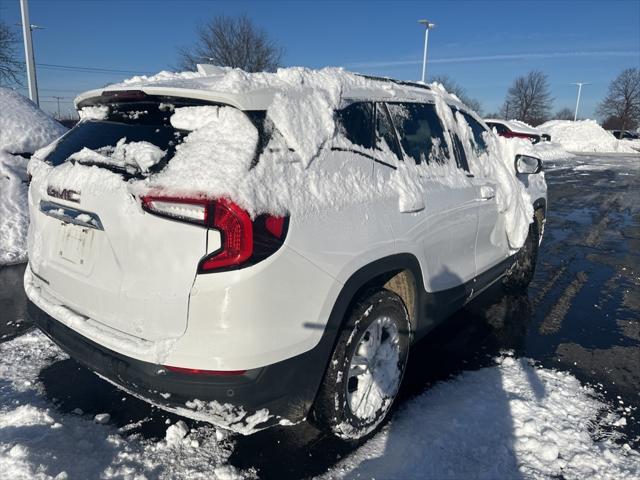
<point x="581" y="314"/>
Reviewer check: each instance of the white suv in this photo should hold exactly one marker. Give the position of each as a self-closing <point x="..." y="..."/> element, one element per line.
<point x="258" y="249"/>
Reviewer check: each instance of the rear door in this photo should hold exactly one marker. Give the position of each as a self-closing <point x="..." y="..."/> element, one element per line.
<point x="446" y="225"/>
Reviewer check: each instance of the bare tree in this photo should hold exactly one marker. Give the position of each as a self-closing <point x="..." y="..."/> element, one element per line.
<point x="621" y="107"/>
<point x="10" y="67"/>
<point x="528" y="98"/>
<point x="459" y="91"/>
<point x="564" y="114"/>
<point x="232" y="42"/>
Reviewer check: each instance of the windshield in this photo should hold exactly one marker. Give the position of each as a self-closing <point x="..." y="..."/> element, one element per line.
<point x="96" y="135"/>
<point x="135" y="121"/>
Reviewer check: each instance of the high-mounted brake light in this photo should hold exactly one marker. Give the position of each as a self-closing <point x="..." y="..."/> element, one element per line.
<point x="123" y="95"/>
<point x="197" y="371"/>
<point x="243" y="241"/>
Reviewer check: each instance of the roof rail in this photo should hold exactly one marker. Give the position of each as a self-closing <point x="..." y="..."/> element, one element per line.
<point x="396" y="81"/>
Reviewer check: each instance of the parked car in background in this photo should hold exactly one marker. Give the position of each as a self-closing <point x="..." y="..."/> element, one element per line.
<point x="625" y="134"/>
<point x="517" y="129"/>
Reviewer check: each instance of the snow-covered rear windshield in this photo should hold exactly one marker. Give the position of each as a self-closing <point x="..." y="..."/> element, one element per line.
<point x="147" y="121"/>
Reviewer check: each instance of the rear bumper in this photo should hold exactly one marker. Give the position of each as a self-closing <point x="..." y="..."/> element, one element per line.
<point x="276" y="394"/>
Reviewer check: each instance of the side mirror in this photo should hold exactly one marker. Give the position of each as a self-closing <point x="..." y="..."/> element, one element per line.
<point x="528" y="165"/>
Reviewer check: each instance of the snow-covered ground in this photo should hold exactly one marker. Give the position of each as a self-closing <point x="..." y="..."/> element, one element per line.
<point x="24" y="128"/>
<point x="512" y="420"/>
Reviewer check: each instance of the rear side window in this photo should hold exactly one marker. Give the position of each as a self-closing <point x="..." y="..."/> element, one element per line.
<point x="420" y="131"/>
<point x="477" y="130"/>
<point x="355" y="122"/>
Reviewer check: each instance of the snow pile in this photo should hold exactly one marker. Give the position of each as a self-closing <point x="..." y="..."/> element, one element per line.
<point x="546" y="151"/>
<point x="23" y="126"/>
<point x="23" y="129"/>
<point x="513" y="420"/>
<point x="14" y="211"/>
<point x="584" y="136"/>
<point x="38" y="441"/>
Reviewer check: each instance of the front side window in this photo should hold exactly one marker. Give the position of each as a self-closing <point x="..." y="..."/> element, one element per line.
<point x="421" y="134"/>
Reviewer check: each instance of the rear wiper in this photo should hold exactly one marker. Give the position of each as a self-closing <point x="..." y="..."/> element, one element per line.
<point x="127" y="172"/>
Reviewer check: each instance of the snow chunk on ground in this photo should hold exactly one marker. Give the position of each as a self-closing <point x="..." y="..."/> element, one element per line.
<point x="38" y="441"/>
<point x="584" y="136"/>
<point x="23" y="126"/>
<point x="513" y="420"/>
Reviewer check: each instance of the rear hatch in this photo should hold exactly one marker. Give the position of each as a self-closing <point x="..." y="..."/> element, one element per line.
<point x="92" y="245"/>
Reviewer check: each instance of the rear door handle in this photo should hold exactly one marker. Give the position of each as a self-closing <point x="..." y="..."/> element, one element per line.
<point x="487" y="192"/>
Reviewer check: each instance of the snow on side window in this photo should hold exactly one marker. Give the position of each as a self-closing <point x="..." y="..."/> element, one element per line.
<point x="420" y="131"/>
<point x="355" y="123"/>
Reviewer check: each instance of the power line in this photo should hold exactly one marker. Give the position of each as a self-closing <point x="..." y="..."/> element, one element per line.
<point x="89" y="69"/>
<point x="78" y="68"/>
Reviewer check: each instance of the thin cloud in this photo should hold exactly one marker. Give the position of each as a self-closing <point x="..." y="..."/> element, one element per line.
<point x="499" y="58"/>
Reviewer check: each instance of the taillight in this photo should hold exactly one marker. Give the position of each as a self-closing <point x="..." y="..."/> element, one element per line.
<point x="243" y="241"/>
<point x="192" y="210"/>
<point x="236" y="231"/>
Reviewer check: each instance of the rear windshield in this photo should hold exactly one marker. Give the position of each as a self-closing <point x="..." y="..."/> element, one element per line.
<point x="138" y="121"/>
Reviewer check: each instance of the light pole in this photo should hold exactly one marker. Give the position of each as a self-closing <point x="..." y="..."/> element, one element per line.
<point x="27" y="28"/>
<point x="427" y="26"/>
<point x="579" y="84"/>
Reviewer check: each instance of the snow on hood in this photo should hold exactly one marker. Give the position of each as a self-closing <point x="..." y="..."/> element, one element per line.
<point x="584" y="136"/>
<point x="24" y="128"/>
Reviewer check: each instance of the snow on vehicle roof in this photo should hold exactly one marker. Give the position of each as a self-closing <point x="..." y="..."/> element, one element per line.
<point x="23" y="126"/>
<point x="256" y="91"/>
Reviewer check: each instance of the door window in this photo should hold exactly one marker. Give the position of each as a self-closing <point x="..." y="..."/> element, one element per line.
<point x="420" y="132"/>
<point x="355" y="122"/>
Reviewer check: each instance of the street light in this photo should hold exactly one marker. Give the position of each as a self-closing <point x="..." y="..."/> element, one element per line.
<point x="427" y="26"/>
<point x="579" y="84"/>
<point x="27" y="28"/>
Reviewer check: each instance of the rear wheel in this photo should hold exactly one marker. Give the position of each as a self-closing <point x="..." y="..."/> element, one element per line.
<point x="520" y="274"/>
<point x="366" y="368"/>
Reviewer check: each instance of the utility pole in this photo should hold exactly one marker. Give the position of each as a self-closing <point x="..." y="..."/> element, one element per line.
<point x="579" y="84"/>
<point x="28" y="51"/>
<point x="58" y="99"/>
<point x="427" y="26"/>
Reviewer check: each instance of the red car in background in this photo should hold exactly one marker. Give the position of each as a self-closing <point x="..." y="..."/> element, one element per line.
<point x="517" y="129"/>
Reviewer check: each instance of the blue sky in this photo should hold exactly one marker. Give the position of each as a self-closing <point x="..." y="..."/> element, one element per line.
<point x="482" y="45"/>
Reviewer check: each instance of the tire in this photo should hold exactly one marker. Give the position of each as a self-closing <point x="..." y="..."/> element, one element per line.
<point x="362" y="381"/>
<point x="520" y="274"/>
